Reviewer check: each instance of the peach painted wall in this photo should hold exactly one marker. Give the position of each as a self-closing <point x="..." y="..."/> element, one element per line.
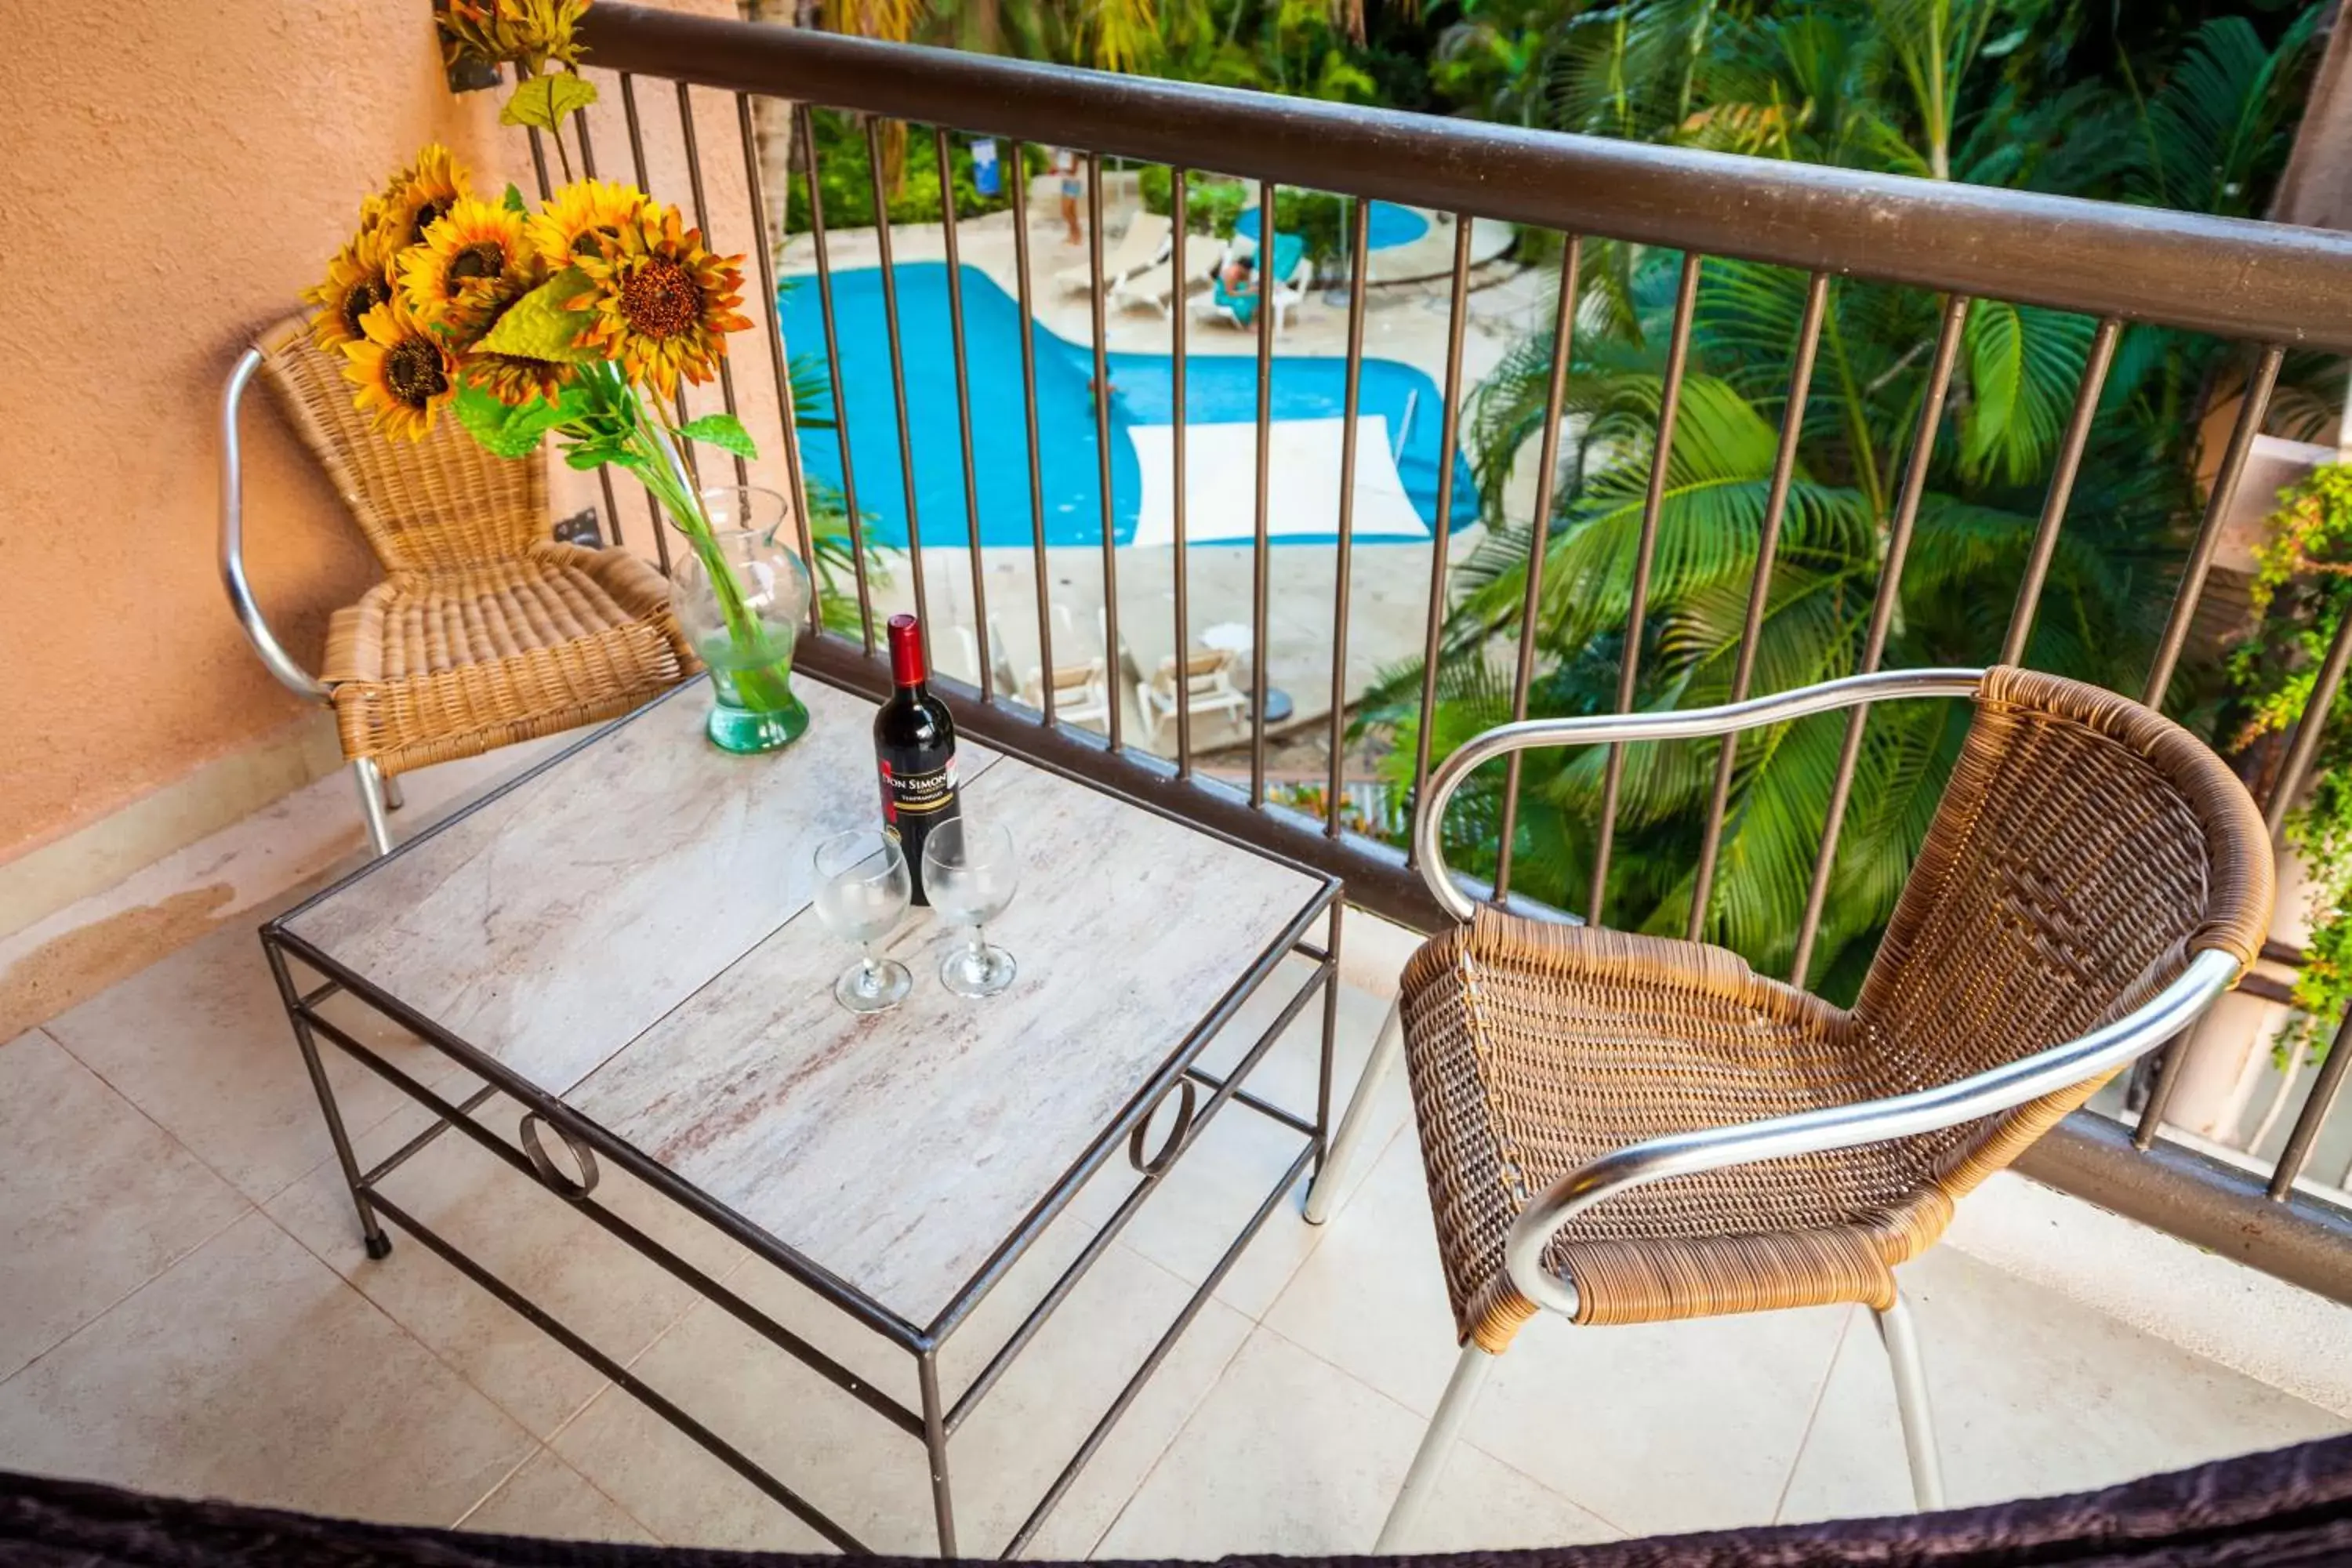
<point x="175" y="174"/>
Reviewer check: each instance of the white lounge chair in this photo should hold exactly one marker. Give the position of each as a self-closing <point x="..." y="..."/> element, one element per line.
<point x="1141" y="248"/>
<point x="1208" y="678"/>
<point x="1082" y="688"/>
<point x="1283" y="297"/>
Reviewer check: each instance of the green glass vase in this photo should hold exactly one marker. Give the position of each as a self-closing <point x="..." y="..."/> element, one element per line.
<point x="741" y="596"/>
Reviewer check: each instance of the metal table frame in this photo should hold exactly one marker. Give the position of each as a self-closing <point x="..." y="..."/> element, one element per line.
<point x="1194" y="1093"/>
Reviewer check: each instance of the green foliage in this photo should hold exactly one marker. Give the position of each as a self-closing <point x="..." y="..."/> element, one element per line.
<point x="1980" y="89"/>
<point x="2301" y="595"/>
<point x="847" y="186"/>
<point x="1213" y="206"/>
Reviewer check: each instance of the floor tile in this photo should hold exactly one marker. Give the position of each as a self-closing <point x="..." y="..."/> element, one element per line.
<point x="249" y="1371"/>
<point x="616" y="1298"/>
<point x="200" y="1043"/>
<point x="95" y="1199"/>
<point x="1371" y="1299"/>
<point x="1289" y="1454"/>
<point x="1225" y="1176"/>
<point x="2032" y="1395"/>
<point x="1661" y="1426"/>
<point x="872" y="1478"/>
<point x="548" y="1499"/>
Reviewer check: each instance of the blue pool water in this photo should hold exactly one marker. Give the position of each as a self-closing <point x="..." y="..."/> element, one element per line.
<point x="1391" y="226"/>
<point x="1219" y="389"/>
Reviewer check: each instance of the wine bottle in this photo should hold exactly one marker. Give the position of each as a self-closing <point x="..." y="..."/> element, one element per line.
<point x="914" y="745"/>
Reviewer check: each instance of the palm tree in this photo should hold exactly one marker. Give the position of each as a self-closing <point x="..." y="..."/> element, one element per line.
<point x="1875" y="83"/>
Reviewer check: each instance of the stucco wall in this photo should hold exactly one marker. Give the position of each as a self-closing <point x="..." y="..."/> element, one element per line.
<point x="174" y="175"/>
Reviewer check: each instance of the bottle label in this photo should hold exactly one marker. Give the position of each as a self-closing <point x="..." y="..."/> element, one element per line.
<point x="926" y="797"/>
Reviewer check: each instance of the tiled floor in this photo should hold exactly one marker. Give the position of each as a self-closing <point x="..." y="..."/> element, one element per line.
<point x="187" y="1308"/>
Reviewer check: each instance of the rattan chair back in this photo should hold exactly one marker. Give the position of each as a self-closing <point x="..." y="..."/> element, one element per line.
<point x="437" y="505"/>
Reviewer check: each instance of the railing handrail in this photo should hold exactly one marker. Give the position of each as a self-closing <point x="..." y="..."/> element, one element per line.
<point x="2270" y="282"/>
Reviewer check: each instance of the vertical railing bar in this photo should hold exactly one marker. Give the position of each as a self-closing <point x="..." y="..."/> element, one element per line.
<point x="1563" y="345"/>
<point x="1448" y="427"/>
<point x="2316" y="1103"/>
<point x="603" y="470"/>
<point x="2256" y="402"/>
<point x="804" y="135"/>
<point x="1181" y="568"/>
<point x="1019" y="161"/>
<point x="782" y="366"/>
<point x="2061" y="489"/>
<point x="539" y="164"/>
<point x="1261" y="554"/>
<point x="1629" y="665"/>
<point x="702" y="221"/>
<point x="1882" y="618"/>
<point x="1359" y="253"/>
<point x="1760" y="588"/>
<point x="987" y="681"/>
<point x="1111" y="644"/>
<point x="891" y="334"/>
<point x="637" y="162"/>
<point x="2316" y="710"/>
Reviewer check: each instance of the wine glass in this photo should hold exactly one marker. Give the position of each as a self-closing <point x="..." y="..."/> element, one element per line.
<point x="970" y="875"/>
<point x="862" y="890"/>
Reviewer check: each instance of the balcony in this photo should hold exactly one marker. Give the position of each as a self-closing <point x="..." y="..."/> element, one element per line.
<point x="2141" y="1294"/>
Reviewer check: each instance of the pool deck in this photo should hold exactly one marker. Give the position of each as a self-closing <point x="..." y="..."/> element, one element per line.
<point x="1389" y="582"/>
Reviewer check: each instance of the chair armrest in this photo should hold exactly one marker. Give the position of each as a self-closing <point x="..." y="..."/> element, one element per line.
<point x="2210" y="972"/>
<point x="280" y="663"/>
<point x="1682" y="724"/>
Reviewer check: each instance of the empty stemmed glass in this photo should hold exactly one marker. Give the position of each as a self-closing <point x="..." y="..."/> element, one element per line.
<point x="970" y="875"/>
<point x="862" y="889"/>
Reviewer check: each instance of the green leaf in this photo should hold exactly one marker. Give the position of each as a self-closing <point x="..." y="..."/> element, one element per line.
<point x="542" y="101"/>
<point x="597" y="454"/>
<point x="724" y="431"/>
<point x="502" y="430"/>
<point x="536" y="326"/>
<point x="513" y="199"/>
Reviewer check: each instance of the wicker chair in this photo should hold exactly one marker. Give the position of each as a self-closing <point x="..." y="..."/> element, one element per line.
<point x="486" y="630"/>
<point x="2093" y="880"/>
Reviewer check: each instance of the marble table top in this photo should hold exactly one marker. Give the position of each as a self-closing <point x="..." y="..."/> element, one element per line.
<point x="630" y="930"/>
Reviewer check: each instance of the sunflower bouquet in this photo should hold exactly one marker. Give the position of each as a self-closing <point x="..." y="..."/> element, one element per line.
<point x="577" y="319"/>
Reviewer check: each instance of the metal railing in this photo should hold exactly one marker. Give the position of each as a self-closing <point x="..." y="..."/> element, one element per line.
<point x="2268" y="287"/>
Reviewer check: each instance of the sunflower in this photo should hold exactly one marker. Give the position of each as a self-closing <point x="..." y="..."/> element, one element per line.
<point x="419" y="195"/>
<point x="580" y="219"/>
<point x="473" y="260"/>
<point x="663" y="302"/>
<point x="404" y="373"/>
<point x="532" y="31"/>
<point x="358" y="279"/>
<point x="516" y="380"/>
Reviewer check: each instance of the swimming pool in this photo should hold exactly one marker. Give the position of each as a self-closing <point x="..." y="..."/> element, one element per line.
<point x="1220" y="389"/>
<point x="1391" y="226"/>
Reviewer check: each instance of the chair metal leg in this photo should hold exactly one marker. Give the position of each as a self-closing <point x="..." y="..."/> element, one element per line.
<point x="1901" y="1338"/>
<point x="370" y="779"/>
<point x="1325" y="1193"/>
<point x="393" y="798"/>
<point x="1429" y="1463"/>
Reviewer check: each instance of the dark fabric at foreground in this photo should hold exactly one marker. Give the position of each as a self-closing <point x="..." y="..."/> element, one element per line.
<point x="2287" y="1508"/>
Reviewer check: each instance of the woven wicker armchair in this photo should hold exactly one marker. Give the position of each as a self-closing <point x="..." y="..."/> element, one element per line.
<point x="486" y="630"/>
<point x="1626" y="1129"/>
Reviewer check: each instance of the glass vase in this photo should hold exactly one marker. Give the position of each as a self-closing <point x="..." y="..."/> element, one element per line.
<point x="741" y="596"/>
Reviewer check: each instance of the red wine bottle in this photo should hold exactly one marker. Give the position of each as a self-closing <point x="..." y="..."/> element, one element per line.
<point x="914" y="744"/>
